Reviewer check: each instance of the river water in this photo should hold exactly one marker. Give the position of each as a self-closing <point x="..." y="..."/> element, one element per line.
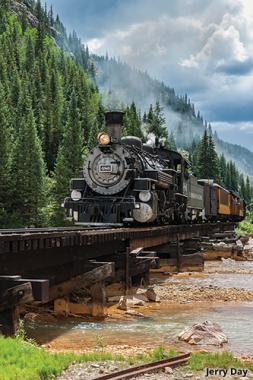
<point x="162" y="322"/>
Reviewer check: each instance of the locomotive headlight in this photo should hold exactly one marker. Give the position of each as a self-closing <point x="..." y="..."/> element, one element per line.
<point x="76" y="195"/>
<point x="145" y="196"/>
<point x="103" y="138"/>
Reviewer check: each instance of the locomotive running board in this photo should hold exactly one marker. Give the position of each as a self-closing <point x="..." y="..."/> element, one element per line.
<point x="99" y="224"/>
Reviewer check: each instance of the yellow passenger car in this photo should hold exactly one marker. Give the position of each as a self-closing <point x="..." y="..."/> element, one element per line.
<point x="224" y="199"/>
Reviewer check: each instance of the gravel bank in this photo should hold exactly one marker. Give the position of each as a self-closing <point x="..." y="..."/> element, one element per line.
<point x="94" y="370"/>
<point x="181" y="293"/>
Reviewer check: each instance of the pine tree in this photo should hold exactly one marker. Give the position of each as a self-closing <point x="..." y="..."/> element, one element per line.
<point x="213" y="161"/>
<point x="248" y="191"/>
<point x="132" y="122"/>
<point x="207" y="161"/>
<point x="156" y="124"/>
<point x="5" y="159"/>
<point x="228" y="180"/>
<point x="69" y="159"/>
<point x="28" y="171"/>
<point x="203" y="157"/>
<point x="30" y="54"/>
<point x="193" y="157"/>
<point x="242" y="187"/>
<point x="172" y="142"/>
<point x="223" y="169"/>
<point x="234" y="176"/>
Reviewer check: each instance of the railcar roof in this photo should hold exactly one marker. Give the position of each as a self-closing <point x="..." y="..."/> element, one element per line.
<point x="221" y="187"/>
<point x="173" y="155"/>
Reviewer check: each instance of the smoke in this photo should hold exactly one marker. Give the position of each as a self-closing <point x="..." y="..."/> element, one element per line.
<point x="152" y="140"/>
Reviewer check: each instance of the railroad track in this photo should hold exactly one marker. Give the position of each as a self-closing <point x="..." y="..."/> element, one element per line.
<point x="21" y="231"/>
<point x="27" y="238"/>
<point x="106" y="227"/>
<point x="146" y="368"/>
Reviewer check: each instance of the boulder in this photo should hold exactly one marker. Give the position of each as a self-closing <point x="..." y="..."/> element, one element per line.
<point x="152" y="295"/>
<point x="206" y="333"/>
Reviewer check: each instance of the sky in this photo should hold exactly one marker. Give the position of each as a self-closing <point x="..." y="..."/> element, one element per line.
<point x="200" y="47"/>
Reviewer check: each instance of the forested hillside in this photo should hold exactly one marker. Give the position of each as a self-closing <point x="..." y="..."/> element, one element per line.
<point x="50" y="113"/>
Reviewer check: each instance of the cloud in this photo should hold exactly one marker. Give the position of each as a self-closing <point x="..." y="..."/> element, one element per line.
<point x="235" y="67"/>
<point x="224" y="49"/>
<point x="240" y="126"/>
<point x="204" y="48"/>
<point x="215" y="39"/>
<point x="240" y="133"/>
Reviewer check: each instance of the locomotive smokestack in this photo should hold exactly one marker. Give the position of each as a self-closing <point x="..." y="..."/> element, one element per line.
<point x="114" y="124"/>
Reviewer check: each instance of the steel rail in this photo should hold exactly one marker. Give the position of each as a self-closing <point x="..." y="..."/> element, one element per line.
<point x="30" y="230"/>
<point x="107" y="228"/>
<point x="142" y="369"/>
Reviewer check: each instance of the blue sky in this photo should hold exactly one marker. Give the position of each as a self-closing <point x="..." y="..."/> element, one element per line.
<point x="204" y="48"/>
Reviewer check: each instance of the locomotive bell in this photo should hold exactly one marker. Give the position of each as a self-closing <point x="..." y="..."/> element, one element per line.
<point x="114" y="124"/>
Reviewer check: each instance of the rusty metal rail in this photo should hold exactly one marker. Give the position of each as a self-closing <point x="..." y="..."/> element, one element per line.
<point x="151" y="367"/>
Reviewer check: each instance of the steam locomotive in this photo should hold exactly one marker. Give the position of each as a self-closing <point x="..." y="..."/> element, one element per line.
<point x="127" y="182"/>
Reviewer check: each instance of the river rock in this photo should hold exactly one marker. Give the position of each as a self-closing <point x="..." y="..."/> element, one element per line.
<point x="228" y="261"/>
<point x="122" y="305"/>
<point x="95" y="365"/>
<point x="125" y="302"/>
<point x="168" y="370"/>
<point x="134" y="313"/>
<point x="152" y="295"/>
<point x="239" y="244"/>
<point x="136" y="301"/>
<point x="207" y="333"/>
<point x="222" y="247"/>
<point x="31" y="316"/>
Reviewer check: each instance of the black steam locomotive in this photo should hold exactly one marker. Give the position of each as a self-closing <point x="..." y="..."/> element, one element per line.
<point x="127" y="182"/>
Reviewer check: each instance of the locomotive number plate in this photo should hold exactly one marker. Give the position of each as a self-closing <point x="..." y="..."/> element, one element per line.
<point x="105" y="168"/>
